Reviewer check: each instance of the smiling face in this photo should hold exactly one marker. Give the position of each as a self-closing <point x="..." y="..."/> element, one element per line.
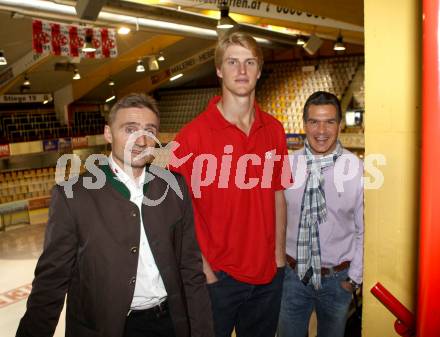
<point x="239" y="70"/>
<point x="128" y="151"/>
<point x="322" y="128"/>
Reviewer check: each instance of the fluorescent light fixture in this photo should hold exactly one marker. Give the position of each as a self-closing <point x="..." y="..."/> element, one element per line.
<point x="339" y="44"/>
<point x="111" y="98"/>
<point x="124" y="30"/>
<point x="300" y="41"/>
<point x="262" y="41"/>
<point x="175" y="77"/>
<point x="88" y="46"/>
<point x="76" y="75"/>
<point x="225" y="23"/>
<point x="3" y="60"/>
<point x="111" y="83"/>
<point x="140" y="66"/>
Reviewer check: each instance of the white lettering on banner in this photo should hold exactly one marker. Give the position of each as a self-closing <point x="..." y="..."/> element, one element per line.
<point x="265" y="10"/>
<point x="202" y="57"/>
<point x="20" y="98"/>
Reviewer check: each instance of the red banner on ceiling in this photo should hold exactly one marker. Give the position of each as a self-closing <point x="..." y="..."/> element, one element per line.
<point x="67" y="40"/>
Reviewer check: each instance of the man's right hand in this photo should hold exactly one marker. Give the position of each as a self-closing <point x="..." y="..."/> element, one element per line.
<point x="209" y="273"/>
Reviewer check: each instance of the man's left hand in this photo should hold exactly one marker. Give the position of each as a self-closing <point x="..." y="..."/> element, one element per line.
<point x="347" y="286"/>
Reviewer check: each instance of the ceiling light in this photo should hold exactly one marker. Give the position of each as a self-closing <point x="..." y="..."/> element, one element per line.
<point x="123" y="30"/>
<point x="111" y="83"/>
<point x="152" y="63"/>
<point x="27" y="82"/>
<point x="76" y="75"/>
<point x="48" y="99"/>
<point x="225" y="21"/>
<point x="111" y="98"/>
<point x="175" y="77"/>
<point x="88" y="46"/>
<point x="3" y="60"/>
<point x="161" y="58"/>
<point x="339" y="44"/>
<point x="300" y="41"/>
<point x="140" y="66"/>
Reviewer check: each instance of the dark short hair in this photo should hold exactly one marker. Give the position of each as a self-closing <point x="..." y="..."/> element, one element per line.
<point x="133" y="100"/>
<point x="241" y="39"/>
<point x="322" y="98"/>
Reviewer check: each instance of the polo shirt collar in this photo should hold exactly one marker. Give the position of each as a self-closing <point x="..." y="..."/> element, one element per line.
<point x="217" y="121"/>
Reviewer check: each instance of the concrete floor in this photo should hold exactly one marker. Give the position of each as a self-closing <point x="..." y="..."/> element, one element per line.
<point x="19" y="251"/>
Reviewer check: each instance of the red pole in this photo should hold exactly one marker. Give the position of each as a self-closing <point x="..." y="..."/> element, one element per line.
<point x="428" y="306"/>
<point x="404" y="324"/>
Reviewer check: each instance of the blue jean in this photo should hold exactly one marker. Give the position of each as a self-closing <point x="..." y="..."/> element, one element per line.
<point x="331" y="303"/>
<point x="252" y="309"/>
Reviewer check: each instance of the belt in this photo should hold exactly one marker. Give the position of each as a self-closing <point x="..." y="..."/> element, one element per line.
<point x="324" y="270"/>
<point x="157" y="311"/>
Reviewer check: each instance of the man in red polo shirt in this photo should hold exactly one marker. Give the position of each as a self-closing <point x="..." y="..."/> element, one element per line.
<point x="234" y="158"/>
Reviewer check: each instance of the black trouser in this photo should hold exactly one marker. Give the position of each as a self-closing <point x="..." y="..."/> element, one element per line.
<point x="149" y="323"/>
<point x="252" y="309"/>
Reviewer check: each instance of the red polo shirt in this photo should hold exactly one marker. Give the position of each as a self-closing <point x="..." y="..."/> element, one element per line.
<point x="233" y="178"/>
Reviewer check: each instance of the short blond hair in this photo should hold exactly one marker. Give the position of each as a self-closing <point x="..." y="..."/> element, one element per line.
<point x="241" y="39"/>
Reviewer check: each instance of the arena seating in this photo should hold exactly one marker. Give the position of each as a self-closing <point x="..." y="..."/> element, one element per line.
<point x="88" y="123"/>
<point x="178" y="107"/>
<point x="285" y="86"/>
<point x="24" y="126"/>
<point x="282" y="91"/>
<point x="21" y="126"/>
<point x="26" y="184"/>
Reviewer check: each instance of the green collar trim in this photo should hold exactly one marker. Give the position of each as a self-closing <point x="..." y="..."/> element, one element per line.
<point x="115" y="182"/>
<point x="119" y="185"/>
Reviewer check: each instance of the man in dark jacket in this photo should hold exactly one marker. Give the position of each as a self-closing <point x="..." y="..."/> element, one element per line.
<point x="121" y="244"/>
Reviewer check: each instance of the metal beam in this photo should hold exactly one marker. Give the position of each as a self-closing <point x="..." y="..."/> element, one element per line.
<point x="89" y="9"/>
<point x="101" y="73"/>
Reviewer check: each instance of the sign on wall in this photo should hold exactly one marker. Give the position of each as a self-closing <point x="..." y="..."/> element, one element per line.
<point x="50" y="145"/>
<point x="79" y="142"/>
<point x="24" y="98"/>
<point x="4" y="150"/>
<point x="185" y="65"/>
<point x="265" y="10"/>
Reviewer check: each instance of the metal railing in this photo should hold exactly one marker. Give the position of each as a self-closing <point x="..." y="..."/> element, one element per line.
<point x="405" y="323"/>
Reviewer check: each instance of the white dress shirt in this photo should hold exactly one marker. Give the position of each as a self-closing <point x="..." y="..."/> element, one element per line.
<point x="149" y="289"/>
